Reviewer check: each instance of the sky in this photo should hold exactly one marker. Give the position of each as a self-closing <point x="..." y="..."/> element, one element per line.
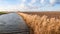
<point x="29" y="5"/>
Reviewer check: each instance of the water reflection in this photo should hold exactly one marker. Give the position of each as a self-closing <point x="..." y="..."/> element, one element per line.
<point x="12" y="23"/>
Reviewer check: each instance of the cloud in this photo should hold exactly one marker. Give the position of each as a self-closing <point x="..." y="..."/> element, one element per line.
<point x="32" y="2"/>
<point x="26" y="6"/>
<point x="42" y="1"/>
<point x="31" y="6"/>
<point x="8" y="8"/>
<point x="5" y="7"/>
<point x="22" y="7"/>
<point x="23" y="1"/>
<point x="52" y="2"/>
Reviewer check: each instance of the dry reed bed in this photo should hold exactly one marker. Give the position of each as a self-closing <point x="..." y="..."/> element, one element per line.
<point x="42" y="24"/>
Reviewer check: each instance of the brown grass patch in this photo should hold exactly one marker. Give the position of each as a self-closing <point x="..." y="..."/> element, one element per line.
<point x="42" y="24"/>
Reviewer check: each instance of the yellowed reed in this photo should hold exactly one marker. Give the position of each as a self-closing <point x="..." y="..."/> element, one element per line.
<point x="41" y="24"/>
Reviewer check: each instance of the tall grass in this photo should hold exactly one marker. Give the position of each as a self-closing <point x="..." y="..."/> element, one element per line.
<point x="42" y="24"/>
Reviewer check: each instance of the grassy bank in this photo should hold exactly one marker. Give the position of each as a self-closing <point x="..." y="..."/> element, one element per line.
<point x="3" y="13"/>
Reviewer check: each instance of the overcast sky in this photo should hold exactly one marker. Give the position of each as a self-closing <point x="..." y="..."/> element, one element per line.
<point x="29" y="5"/>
